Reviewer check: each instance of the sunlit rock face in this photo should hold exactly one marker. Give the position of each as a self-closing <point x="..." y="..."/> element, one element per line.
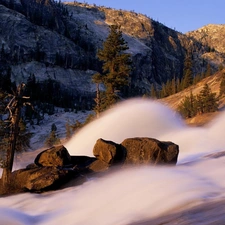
<point x="65" y="50"/>
<point x="211" y="35"/>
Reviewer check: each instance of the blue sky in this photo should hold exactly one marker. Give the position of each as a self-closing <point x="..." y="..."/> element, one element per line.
<point x="181" y="15"/>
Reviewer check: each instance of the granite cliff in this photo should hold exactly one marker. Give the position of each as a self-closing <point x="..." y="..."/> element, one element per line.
<point x="59" y="41"/>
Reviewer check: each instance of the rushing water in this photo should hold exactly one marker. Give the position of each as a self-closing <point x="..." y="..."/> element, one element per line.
<point x="132" y="194"/>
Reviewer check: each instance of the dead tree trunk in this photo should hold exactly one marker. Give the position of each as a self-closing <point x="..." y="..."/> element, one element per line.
<point x="14" y="108"/>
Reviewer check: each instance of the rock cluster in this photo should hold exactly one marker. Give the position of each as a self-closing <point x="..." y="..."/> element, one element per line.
<point x="55" y="167"/>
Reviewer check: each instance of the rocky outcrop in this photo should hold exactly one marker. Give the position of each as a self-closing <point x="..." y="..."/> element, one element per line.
<point x="136" y="151"/>
<point x="109" y="152"/>
<point x="41" y="179"/>
<point x="54" y="168"/>
<point x="210" y="35"/>
<point x="149" y="151"/>
<point x="64" y="47"/>
<point x="55" y="156"/>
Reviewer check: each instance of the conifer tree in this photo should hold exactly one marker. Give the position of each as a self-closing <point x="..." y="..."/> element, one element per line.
<point x="173" y="86"/>
<point x="187" y="74"/>
<point x="197" y="78"/>
<point x="222" y="85"/>
<point x="208" y="100"/>
<point x="208" y="70"/>
<point x="188" y="106"/>
<point x="76" y="126"/>
<point x="163" y="92"/>
<point x="168" y="88"/>
<point x="153" y="91"/>
<point x="68" y="131"/>
<point x="52" y="139"/>
<point x="116" y="64"/>
<point x="97" y="79"/>
<point x="178" y="85"/>
<point x="23" y="141"/>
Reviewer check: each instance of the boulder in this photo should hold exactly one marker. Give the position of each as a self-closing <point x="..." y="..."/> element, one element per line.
<point x="55" y="156"/>
<point x="108" y="151"/>
<point x="40" y="179"/>
<point x="149" y="151"/>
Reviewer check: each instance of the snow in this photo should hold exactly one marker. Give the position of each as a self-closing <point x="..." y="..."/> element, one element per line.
<point x="60" y="118"/>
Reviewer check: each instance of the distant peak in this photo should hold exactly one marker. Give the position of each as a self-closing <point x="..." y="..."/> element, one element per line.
<point x="211" y="27"/>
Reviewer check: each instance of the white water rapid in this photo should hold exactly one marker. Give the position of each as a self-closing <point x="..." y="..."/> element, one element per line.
<point x="127" y="196"/>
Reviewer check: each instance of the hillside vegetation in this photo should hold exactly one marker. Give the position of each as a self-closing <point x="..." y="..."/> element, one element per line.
<point x="214" y="82"/>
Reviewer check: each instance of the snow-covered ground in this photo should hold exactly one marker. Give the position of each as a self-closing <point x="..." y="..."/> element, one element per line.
<point x="133" y="194"/>
<point x="60" y="118"/>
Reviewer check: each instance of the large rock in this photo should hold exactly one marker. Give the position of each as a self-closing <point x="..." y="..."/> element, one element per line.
<point x="55" y="156"/>
<point x="40" y="179"/>
<point x="108" y="151"/>
<point x="150" y="151"/>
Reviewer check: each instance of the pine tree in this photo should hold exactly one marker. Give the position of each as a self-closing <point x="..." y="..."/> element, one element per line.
<point x="188" y="106"/>
<point x="208" y="70"/>
<point x="178" y="85"/>
<point x="173" y="86"/>
<point x="116" y="64"/>
<point x="208" y="100"/>
<point x="23" y="142"/>
<point x="222" y="85"/>
<point x="75" y="127"/>
<point x="153" y="91"/>
<point x="97" y="79"/>
<point x="163" y="92"/>
<point x="187" y="74"/>
<point x="68" y="131"/>
<point x="197" y="78"/>
<point x="52" y="139"/>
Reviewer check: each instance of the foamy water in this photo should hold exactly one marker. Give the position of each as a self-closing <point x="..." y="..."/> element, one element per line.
<point x="131" y="194"/>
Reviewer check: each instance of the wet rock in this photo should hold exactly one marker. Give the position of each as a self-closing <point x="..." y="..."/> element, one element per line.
<point x="55" y="156"/>
<point x="150" y="151"/>
<point x="40" y="179"/>
<point x="108" y="151"/>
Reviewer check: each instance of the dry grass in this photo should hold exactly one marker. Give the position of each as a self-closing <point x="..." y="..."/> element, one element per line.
<point x="214" y="83"/>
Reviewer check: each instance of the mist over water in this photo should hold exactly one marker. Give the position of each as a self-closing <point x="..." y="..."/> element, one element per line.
<point x="132" y="118"/>
<point x="135" y="193"/>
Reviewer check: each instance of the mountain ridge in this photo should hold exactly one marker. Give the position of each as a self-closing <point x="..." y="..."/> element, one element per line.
<point x="66" y="51"/>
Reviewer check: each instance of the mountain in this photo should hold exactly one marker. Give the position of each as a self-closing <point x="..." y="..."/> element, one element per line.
<point x="58" y="42"/>
<point x="211" y="35"/>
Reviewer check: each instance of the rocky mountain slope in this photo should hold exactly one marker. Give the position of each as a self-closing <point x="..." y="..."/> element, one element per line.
<point x="60" y="41"/>
<point x="213" y="81"/>
<point x="211" y="35"/>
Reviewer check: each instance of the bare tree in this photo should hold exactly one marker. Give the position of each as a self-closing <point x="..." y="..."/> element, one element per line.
<point x="14" y="108"/>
